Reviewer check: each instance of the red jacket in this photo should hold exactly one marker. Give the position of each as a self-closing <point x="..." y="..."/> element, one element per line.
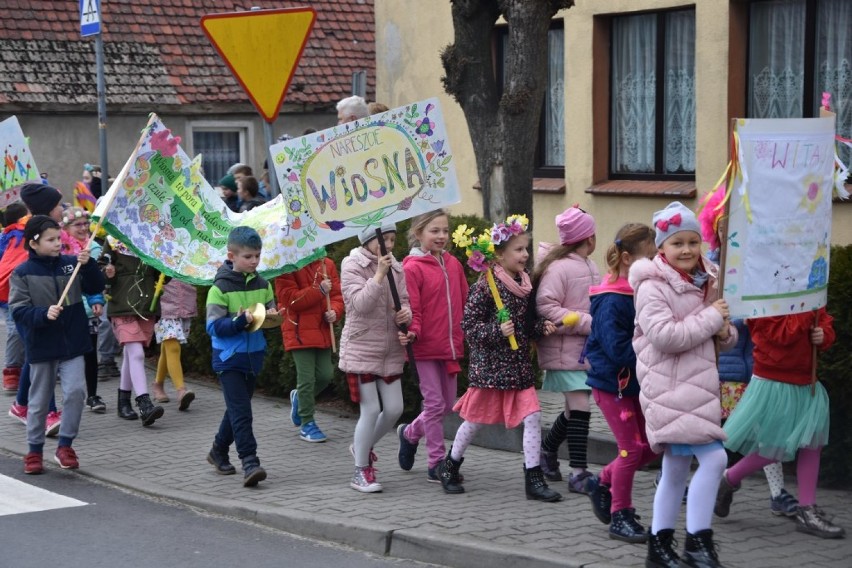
<point x="14" y="255"/>
<point x="437" y="293"/>
<point x="298" y="294"/>
<point x="782" y="345"/>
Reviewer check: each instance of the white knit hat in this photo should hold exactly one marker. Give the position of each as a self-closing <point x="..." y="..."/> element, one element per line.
<point x="369" y="233"/>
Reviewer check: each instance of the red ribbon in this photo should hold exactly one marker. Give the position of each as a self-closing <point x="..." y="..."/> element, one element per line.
<point x="663" y="225"/>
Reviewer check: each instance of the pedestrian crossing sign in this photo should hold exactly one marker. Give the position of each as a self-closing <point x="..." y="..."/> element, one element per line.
<point x="90" y="17"/>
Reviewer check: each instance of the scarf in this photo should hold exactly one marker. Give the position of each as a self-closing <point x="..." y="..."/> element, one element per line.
<point x="520" y="289"/>
<point x="699" y="278"/>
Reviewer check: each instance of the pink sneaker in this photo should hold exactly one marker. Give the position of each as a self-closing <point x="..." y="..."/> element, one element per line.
<point x="66" y="457"/>
<point x="54" y="420"/>
<point x="18" y="412"/>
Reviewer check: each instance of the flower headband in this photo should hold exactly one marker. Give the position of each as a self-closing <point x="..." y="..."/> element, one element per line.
<point x="68" y="217"/>
<point x="480" y="250"/>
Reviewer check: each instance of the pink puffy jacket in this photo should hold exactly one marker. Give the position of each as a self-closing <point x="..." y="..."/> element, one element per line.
<point x="369" y="342"/>
<point x="564" y="288"/>
<point x="675" y="355"/>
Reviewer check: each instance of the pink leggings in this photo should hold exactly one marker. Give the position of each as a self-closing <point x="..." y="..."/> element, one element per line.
<point x="439" y="394"/>
<point x="625" y="419"/>
<point x="807" y="472"/>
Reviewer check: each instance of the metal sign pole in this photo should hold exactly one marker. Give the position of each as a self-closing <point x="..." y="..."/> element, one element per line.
<point x="269" y="139"/>
<point x="102" y="120"/>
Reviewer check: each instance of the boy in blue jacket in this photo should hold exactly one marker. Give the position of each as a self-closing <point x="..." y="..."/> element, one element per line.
<point x="238" y="352"/>
<point x="55" y="335"/>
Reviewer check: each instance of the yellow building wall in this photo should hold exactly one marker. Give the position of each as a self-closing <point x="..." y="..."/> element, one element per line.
<point x="411" y="33"/>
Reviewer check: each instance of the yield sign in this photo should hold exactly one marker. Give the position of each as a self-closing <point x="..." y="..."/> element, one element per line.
<point x="262" y="49"/>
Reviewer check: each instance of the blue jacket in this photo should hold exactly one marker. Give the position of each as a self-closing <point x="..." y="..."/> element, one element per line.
<point x="234" y="348"/>
<point x="735" y="365"/>
<point x="609" y="349"/>
<point x="36" y="285"/>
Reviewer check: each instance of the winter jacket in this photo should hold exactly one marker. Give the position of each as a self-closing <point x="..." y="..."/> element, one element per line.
<point x="304" y="305"/>
<point x="179" y="300"/>
<point x="493" y="364"/>
<point x="675" y="354"/>
<point x="14" y="255"/>
<point x="369" y="343"/>
<point x="132" y="286"/>
<point x="437" y="290"/>
<point x="736" y="365"/>
<point x="38" y="284"/>
<point x="564" y="288"/>
<point x="782" y="345"/>
<point x="609" y="349"/>
<point x="234" y="348"/>
<point x="72" y="246"/>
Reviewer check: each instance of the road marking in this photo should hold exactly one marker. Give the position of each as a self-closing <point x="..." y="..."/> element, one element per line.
<point x="19" y="497"/>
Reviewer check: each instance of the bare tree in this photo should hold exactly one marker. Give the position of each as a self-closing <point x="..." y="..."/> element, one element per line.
<point x="504" y="129"/>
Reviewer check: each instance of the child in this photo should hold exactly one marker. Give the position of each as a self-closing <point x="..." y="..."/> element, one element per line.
<point x="228" y="187"/>
<point x="132" y="317"/>
<point x="612" y="376"/>
<point x="312" y="302"/>
<point x="501" y="379"/>
<point x="247" y="193"/>
<point x="370" y="350"/>
<point x="677" y="318"/>
<point x="782" y="415"/>
<point x="75" y="237"/>
<point x="562" y="281"/>
<point x="40" y="199"/>
<point x="735" y="365"/>
<point x="237" y="352"/>
<point x="54" y="334"/>
<point x="12" y="239"/>
<point x="178" y="305"/>
<point x="437" y="289"/>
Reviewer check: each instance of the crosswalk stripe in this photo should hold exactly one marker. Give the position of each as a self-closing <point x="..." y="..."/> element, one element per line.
<point x="19" y="497"/>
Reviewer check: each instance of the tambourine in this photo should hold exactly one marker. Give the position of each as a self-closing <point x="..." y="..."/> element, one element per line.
<point x="261" y="319"/>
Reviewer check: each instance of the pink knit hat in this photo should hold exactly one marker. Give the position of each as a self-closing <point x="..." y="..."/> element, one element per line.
<point x="574" y="225"/>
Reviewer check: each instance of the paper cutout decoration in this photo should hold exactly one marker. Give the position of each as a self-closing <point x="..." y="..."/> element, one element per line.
<point x="18" y="164"/>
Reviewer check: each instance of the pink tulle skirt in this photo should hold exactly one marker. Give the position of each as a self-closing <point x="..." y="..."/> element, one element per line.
<point x="493" y="406"/>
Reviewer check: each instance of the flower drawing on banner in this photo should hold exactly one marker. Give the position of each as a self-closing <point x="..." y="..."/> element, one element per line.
<point x="424" y="127"/>
<point x="163" y="142"/>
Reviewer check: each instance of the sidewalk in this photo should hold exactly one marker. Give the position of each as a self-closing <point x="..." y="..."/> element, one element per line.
<point x="492" y="525"/>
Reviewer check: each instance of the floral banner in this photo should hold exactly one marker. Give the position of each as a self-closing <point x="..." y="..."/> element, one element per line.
<point x="162" y="208"/>
<point x="383" y="168"/>
<point x="779" y="224"/>
<point x="18" y="164"/>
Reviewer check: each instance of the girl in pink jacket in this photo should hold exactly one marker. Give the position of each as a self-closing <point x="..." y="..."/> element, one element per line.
<point x="437" y="289"/>
<point x="562" y="279"/>
<point x="371" y="346"/>
<point x="178" y="306"/>
<point x="677" y="319"/>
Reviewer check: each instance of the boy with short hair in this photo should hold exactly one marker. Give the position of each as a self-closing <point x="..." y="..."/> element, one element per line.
<point x="238" y="352"/>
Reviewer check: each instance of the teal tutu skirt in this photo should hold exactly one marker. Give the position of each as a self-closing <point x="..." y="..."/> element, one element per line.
<point x="565" y="381"/>
<point x="776" y="419"/>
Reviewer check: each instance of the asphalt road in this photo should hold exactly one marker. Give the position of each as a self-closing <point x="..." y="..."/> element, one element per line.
<point x="94" y="525"/>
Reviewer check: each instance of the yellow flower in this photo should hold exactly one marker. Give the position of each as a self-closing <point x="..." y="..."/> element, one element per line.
<point x="522" y="219"/>
<point x="484" y="239"/>
<point x="461" y="236"/>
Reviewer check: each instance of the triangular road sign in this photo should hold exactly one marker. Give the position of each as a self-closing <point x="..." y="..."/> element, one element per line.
<point x="262" y="49"/>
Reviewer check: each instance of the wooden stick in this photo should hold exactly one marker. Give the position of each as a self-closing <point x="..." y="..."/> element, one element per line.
<point x="328" y="305"/>
<point x="111" y="194"/>
<point x="814" y="357"/>
<point x="397" y="304"/>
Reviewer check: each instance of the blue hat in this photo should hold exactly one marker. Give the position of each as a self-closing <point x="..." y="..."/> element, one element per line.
<point x="675" y="218"/>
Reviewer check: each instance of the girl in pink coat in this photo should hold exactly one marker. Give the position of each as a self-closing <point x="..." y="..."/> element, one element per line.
<point x="677" y="319"/>
<point x="178" y="306"/>
<point x="437" y="289"/>
<point x="562" y="279"/>
<point x="371" y="346"/>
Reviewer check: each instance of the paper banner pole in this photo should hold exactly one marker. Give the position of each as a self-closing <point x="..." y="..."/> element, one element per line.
<point x="397" y="304"/>
<point x="513" y="343"/>
<point x="814" y="357"/>
<point x="328" y="305"/>
<point x="111" y="193"/>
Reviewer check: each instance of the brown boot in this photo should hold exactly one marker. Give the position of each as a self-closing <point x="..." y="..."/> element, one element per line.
<point x="159" y="393"/>
<point x="185" y="398"/>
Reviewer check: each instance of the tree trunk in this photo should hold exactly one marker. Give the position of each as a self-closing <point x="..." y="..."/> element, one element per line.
<point x="503" y="129"/>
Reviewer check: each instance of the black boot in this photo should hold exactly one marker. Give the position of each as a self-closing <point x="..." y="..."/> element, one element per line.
<point x="661" y="553"/>
<point x="147" y="410"/>
<point x="700" y="551"/>
<point x="536" y="486"/>
<point x="253" y="473"/>
<point x="124" y="408"/>
<point x="448" y="473"/>
<point x="625" y="527"/>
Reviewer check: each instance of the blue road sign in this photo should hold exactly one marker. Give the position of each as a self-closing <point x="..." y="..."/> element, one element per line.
<point x="90" y="17"/>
